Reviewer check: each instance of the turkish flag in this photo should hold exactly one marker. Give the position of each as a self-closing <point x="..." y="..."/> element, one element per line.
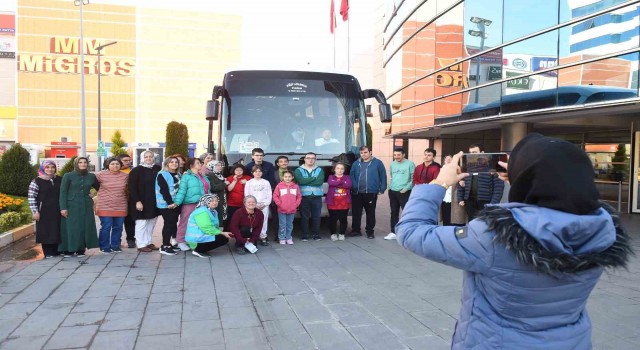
<point x="344" y="10"/>
<point x="333" y="17"/>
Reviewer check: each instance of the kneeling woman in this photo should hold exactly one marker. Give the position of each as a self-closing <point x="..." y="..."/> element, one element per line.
<point x="203" y="229"/>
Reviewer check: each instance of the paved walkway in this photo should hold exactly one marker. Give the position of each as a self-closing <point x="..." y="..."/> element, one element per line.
<point x="356" y="294"/>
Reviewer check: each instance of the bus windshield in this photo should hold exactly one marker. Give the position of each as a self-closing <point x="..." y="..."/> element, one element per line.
<point x="290" y="115"/>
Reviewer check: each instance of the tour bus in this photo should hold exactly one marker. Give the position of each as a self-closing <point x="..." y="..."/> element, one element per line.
<point x="291" y="113"/>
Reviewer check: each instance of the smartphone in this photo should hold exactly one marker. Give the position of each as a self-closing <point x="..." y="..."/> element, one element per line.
<point x="483" y="162"/>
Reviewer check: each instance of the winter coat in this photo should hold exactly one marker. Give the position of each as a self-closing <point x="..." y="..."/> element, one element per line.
<point x="335" y="184"/>
<point x="310" y="182"/>
<point x="259" y="188"/>
<point x="528" y="270"/>
<point x="287" y="197"/>
<point x="202" y="227"/>
<point x="78" y="229"/>
<point x="375" y="176"/>
<point x="142" y="188"/>
<point x="219" y="187"/>
<point x="490" y="188"/>
<point x="191" y="188"/>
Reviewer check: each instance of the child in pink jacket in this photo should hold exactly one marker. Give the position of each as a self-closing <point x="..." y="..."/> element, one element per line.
<point x="287" y="197"/>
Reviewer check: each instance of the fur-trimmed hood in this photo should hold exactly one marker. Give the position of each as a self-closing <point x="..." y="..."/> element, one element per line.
<point x="553" y="241"/>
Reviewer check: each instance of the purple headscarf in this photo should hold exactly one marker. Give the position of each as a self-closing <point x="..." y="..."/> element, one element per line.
<point x="43" y="165"/>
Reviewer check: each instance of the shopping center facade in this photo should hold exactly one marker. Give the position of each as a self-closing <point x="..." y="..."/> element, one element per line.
<point x="490" y="71"/>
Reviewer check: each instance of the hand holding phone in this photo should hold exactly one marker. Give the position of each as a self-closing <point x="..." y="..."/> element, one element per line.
<point x="483" y="162"/>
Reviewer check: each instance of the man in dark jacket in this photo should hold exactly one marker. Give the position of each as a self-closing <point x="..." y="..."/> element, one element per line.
<point x="479" y="189"/>
<point x="268" y="170"/>
<point x="428" y="170"/>
<point x="369" y="178"/>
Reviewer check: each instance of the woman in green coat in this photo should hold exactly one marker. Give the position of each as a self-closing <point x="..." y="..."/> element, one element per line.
<point x="192" y="186"/>
<point x="78" y="227"/>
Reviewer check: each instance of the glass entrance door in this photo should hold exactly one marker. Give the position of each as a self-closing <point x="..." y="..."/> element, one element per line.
<point x="633" y="181"/>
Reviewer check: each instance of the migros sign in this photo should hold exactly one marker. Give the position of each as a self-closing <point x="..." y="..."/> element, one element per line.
<point x="65" y="58"/>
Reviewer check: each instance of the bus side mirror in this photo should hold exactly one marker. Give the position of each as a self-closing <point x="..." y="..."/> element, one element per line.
<point x="212" y="109"/>
<point x="385" y="112"/>
<point x="368" y="111"/>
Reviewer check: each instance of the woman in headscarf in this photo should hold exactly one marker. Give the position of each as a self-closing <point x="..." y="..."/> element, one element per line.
<point x="218" y="187"/>
<point x="111" y="205"/>
<point x="44" y="202"/>
<point x="192" y="186"/>
<point x="529" y="264"/>
<point x="203" y="230"/>
<point x="205" y="158"/>
<point x="167" y="184"/>
<point x="78" y="227"/>
<point x="142" y="199"/>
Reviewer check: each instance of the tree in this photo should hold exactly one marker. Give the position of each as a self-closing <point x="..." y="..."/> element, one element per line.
<point x="16" y="171"/>
<point x="620" y="157"/>
<point x="369" y="133"/>
<point x="177" y="139"/>
<point x="67" y="168"/>
<point x="117" y="144"/>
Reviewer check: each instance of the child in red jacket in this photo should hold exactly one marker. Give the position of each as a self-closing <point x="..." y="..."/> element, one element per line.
<point x="287" y="197"/>
<point x="338" y="201"/>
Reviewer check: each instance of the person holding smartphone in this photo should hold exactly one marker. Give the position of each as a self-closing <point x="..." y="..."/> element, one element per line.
<point x="530" y="264"/>
<point x="479" y="189"/>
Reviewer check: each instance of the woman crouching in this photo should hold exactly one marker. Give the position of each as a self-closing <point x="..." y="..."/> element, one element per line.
<point x="203" y="229"/>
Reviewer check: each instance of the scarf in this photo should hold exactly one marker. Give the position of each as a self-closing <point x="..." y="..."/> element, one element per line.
<point x="206" y="199"/>
<point x="552" y="173"/>
<point x="212" y="166"/>
<point x="41" y="171"/>
<point x="77" y="169"/>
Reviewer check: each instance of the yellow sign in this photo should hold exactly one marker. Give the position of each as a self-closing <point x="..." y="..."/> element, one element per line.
<point x="452" y="77"/>
<point x="62" y="61"/>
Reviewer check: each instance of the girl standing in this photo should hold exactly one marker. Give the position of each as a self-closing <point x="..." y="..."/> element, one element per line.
<point x="338" y="201"/>
<point x="142" y="196"/>
<point x="261" y="190"/>
<point x="235" y="190"/>
<point x="287" y="197"/>
<point x="192" y="186"/>
<point x="112" y="205"/>
<point x="78" y="226"/>
<point x="167" y="184"/>
<point x="44" y="202"/>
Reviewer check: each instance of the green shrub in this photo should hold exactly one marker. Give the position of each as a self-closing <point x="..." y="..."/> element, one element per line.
<point x="177" y="139"/>
<point x="16" y="172"/>
<point x="67" y="168"/>
<point x="117" y="144"/>
<point x="10" y="221"/>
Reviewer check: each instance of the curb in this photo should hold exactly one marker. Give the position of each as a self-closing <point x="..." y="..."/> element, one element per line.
<point x="16" y="234"/>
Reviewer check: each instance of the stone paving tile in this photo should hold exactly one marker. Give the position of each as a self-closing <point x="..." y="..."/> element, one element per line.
<point x="71" y="337"/>
<point x="6" y="297"/>
<point x="431" y="342"/>
<point x="332" y="336"/>
<point x="38" y="290"/>
<point x="134" y="291"/>
<point x="158" y="342"/>
<point x="376" y="337"/>
<point x="287" y="334"/>
<point x="308" y="308"/>
<point x="353" y="314"/>
<point x="93" y="304"/>
<point x="275" y="308"/>
<point x="173" y="307"/>
<point x="44" y="321"/>
<point x="438" y="321"/>
<point x="17" y="310"/>
<point x="201" y="333"/>
<point x="239" y="317"/>
<point x="115" y="321"/>
<point x="245" y="338"/>
<point x="200" y="311"/>
<point x="160" y="324"/>
<point x="84" y="319"/>
<point x="8" y="326"/>
<point x="123" y="305"/>
<point x="117" y="340"/>
<point x="24" y="343"/>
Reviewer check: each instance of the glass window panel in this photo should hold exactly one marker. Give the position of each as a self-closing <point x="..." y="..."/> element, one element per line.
<point x="528" y="16"/>
<point x="473" y="110"/>
<point x="449" y="37"/>
<point x="579" y="9"/>
<point x="482" y="16"/>
<point x="482" y="70"/>
<point x="608" y="33"/>
<point x="605" y="80"/>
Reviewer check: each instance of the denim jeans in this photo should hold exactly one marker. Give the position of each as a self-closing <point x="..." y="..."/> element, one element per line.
<point x="110" y="232"/>
<point x="285" y="226"/>
<point x="311" y="208"/>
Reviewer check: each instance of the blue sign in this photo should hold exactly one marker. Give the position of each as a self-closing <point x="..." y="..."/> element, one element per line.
<point x="540" y="63"/>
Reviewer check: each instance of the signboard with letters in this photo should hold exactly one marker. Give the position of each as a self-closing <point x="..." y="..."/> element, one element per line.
<point x="523" y="83"/>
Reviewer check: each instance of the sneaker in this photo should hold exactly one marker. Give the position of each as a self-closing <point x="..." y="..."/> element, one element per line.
<point x="49" y="256"/>
<point x="173" y="242"/>
<point x="390" y="236"/>
<point x="334" y="237"/>
<point x="167" y="250"/>
<point x="200" y="255"/>
<point x="131" y="243"/>
<point x="67" y="255"/>
<point x="341" y="237"/>
<point x="116" y="250"/>
<point x="317" y="238"/>
<point x="264" y="243"/>
<point x="305" y="239"/>
<point x="145" y="250"/>
<point x="184" y="247"/>
<point x="241" y="251"/>
<point x="152" y="247"/>
<point x="106" y="251"/>
<point x="282" y="241"/>
<point x="80" y="254"/>
<point x="370" y="236"/>
<point x="355" y="234"/>
<point x="290" y="241"/>
<point x="175" y="247"/>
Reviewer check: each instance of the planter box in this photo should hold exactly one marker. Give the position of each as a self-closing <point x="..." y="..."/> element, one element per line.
<point x="16" y="234"/>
